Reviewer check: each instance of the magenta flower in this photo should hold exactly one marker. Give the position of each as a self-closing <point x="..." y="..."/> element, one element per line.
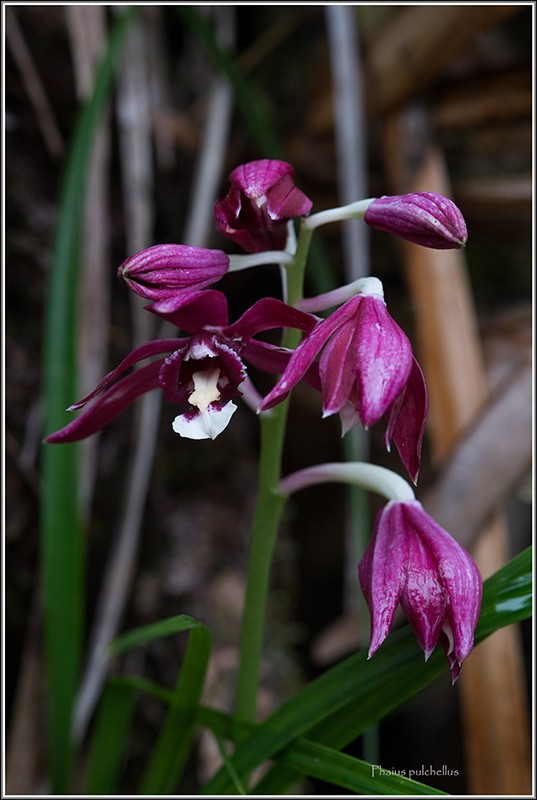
<point x="366" y="371"/>
<point x="413" y="561"/>
<point x="261" y="200"/>
<point x="164" y="270"/>
<point x="203" y="371"/>
<point x="424" y="218"/>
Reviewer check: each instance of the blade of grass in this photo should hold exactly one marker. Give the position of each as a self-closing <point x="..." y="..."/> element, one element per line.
<point x="61" y="534"/>
<point x="173" y="745"/>
<point x="109" y="739"/>
<point x="344" y="701"/>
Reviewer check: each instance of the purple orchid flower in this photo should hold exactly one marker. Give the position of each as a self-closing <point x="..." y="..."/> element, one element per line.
<point x="425" y="218"/>
<point x="204" y="370"/>
<point x="412" y="560"/>
<point x="367" y="371"/>
<point x="164" y="270"/>
<point x="261" y="200"/>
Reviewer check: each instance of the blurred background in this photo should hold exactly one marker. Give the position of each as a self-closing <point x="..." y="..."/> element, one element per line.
<point x="363" y="100"/>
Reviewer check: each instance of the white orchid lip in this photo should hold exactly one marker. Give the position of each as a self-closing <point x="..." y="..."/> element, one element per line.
<point x="207" y="424"/>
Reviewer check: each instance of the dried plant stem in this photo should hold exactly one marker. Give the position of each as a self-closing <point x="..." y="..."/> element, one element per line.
<point x="87" y="33"/>
<point x="34" y="85"/>
<point x="137" y="187"/>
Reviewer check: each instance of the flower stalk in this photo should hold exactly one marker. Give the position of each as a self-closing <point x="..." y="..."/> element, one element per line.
<point x="357" y="473"/>
<point x="268" y="513"/>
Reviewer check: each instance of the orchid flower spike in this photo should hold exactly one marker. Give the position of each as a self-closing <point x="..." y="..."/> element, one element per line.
<point x="260" y="202"/>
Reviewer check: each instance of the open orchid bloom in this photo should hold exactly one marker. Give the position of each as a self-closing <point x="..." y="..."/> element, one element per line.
<point x="202" y="371"/>
<point x="164" y="270"/>
<point x="261" y="200"/>
<point x="425" y="218"/>
<point x="412" y="560"/>
<point x="367" y="371"/>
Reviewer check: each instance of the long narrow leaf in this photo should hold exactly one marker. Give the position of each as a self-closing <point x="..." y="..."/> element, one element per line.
<point x="304" y="757"/>
<point x="109" y="739"/>
<point x="62" y="545"/>
<point x="173" y="745"/>
<point x="344" y="701"/>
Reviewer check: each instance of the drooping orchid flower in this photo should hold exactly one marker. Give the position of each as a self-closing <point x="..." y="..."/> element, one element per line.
<point x="367" y="372"/>
<point x="412" y="560"/>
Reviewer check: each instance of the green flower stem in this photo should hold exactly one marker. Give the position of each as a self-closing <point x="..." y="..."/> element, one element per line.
<point x="268" y="514"/>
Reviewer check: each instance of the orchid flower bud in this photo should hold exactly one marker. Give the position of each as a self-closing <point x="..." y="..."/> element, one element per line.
<point x="166" y="270"/>
<point x="425" y="218"/>
<point x="260" y="202"/>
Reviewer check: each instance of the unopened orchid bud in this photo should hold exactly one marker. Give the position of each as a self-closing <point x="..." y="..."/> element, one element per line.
<point x="261" y="200"/>
<point x="425" y="218"/>
<point x="166" y="270"/>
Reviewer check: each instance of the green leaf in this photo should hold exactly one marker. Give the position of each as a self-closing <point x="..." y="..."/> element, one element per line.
<point x="347" y="699"/>
<point x="109" y="739"/>
<point x="61" y="529"/>
<point x="318" y="761"/>
<point x="148" y="633"/>
<point x="175" y="740"/>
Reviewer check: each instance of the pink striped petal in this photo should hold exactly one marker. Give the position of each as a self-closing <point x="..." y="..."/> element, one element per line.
<point x="109" y="405"/>
<point x="382" y="571"/>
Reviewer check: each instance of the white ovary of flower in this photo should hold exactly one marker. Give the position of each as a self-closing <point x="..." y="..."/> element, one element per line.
<point x="211" y="420"/>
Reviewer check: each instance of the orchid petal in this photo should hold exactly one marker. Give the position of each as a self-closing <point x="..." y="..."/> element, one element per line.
<point x="255" y="178"/>
<point x="144" y="351"/>
<point x="267" y="314"/>
<point x="423" y="599"/>
<point x="458" y="575"/>
<point x="271" y="358"/>
<point x="109" y="405"/>
<point x="306" y="352"/>
<point x="384" y="358"/>
<point x="382" y="571"/>
<point x="406" y="419"/>
<point x="338" y="368"/>
<point x="192" y="311"/>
